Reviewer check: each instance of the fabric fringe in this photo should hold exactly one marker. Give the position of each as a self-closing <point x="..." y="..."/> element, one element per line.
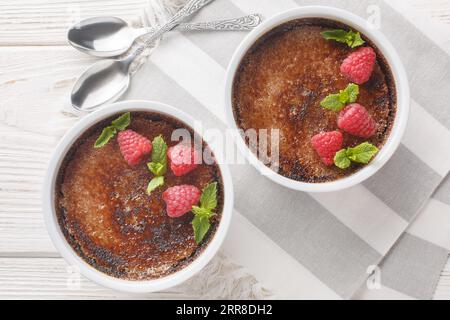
<point x="223" y="279"/>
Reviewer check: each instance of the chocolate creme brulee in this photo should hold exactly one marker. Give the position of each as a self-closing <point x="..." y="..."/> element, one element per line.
<point x="107" y="215"/>
<point x="281" y="82"/>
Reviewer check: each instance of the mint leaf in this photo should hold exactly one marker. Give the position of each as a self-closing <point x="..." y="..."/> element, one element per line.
<point x="159" y="153"/>
<point x="332" y="102"/>
<point x="155" y="183"/>
<point x="117" y="125"/>
<point x="357" y="40"/>
<point x="122" y="122"/>
<point x="156" y="168"/>
<point x="208" y="199"/>
<point x="341" y="160"/>
<point x="338" y="34"/>
<point x="343" y="96"/>
<point x="105" y="136"/>
<point x="337" y="101"/>
<point x="201" y="211"/>
<point x="201" y="225"/>
<point x="208" y="202"/>
<point x="362" y="153"/>
<point x="352" y="91"/>
<point x="350" y="38"/>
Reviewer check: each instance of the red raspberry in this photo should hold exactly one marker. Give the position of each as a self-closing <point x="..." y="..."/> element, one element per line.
<point x="355" y="120"/>
<point x="183" y="159"/>
<point x="358" y="66"/>
<point x="327" y="144"/>
<point x="180" y="199"/>
<point x="133" y="146"/>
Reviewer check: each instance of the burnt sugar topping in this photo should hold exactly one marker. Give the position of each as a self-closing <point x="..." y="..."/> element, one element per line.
<point x="128" y="206"/>
<point x="327" y="89"/>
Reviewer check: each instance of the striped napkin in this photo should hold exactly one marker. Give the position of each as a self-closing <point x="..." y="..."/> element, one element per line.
<point x="385" y="238"/>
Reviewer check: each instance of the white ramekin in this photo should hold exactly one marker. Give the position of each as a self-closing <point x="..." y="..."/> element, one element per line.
<point x="400" y="79"/>
<point x="71" y="256"/>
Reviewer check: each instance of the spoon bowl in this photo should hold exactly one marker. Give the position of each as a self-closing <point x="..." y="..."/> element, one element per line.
<point x="103" y="36"/>
<point x="104" y="82"/>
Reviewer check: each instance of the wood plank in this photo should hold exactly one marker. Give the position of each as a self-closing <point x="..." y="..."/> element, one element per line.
<point x="45" y="22"/>
<point x="436" y="9"/>
<point x="34" y="86"/>
<point x="52" y="278"/>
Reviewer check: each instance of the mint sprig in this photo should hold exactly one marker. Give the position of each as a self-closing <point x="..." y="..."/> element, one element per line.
<point x="350" y="38"/>
<point x="361" y="154"/>
<point x="201" y="225"/>
<point x="338" y="101"/>
<point x="158" y="165"/>
<point x="203" y="213"/>
<point x="119" y="124"/>
<point x="105" y="136"/>
<point x="155" y="183"/>
<point x="122" y="122"/>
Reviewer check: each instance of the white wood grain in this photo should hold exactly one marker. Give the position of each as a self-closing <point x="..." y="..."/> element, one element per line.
<point x="51" y="278"/>
<point x="45" y="22"/>
<point x="35" y="84"/>
<point x="435" y="9"/>
<point x="37" y="71"/>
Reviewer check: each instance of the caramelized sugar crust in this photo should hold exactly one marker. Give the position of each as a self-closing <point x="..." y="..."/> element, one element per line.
<point x="282" y="80"/>
<point x="107" y="216"/>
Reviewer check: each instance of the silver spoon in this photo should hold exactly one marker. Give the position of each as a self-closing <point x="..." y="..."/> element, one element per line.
<point x="110" y="36"/>
<point x="107" y="80"/>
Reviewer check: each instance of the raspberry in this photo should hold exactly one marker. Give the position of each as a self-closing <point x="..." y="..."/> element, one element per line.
<point x="180" y="199"/>
<point x="355" y="120"/>
<point x="327" y="144"/>
<point x="358" y="66"/>
<point x="133" y="146"/>
<point x="183" y="159"/>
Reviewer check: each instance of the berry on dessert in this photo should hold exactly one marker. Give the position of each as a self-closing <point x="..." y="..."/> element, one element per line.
<point x="133" y="146"/>
<point x="357" y="121"/>
<point x="359" y="65"/>
<point x="180" y="199"/>
<point x="327" y="144"/>
<point x="183" y="159"/>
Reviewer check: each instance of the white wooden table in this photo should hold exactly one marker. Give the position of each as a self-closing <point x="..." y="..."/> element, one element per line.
<point x="37" y="71"/>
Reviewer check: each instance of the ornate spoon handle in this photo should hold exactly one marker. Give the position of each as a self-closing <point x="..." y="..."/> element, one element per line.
<point x="190" y="8"/>
<point x="243" y="23"/>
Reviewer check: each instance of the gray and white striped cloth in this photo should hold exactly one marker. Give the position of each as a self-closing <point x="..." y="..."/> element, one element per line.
<point x="302" y="245"/>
